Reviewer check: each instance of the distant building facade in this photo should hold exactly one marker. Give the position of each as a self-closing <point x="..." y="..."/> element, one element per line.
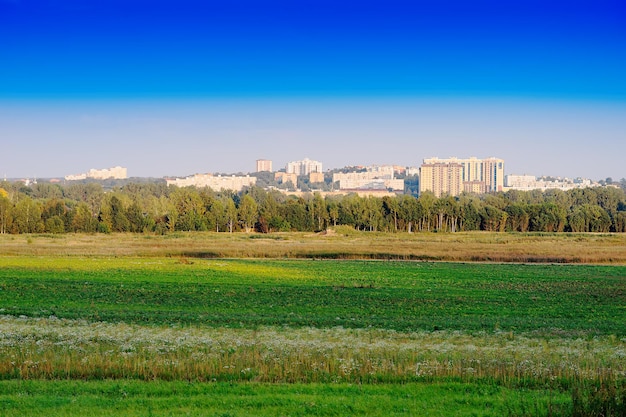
<point x="411" y="171"/>
<point x="493" y="174"/>
<point x="217" y="183"/>
<point x="316" y="177"/>
<point x="304" y="167"/>
<point x="373" y="178"/>
<point x="530" y="182"/>
<point x="284" y="177"/>
<point x="117" y="173"/>
<point x="451" y="176"/>
<point x="263" y="165"/>
<point x="441" y="178"/>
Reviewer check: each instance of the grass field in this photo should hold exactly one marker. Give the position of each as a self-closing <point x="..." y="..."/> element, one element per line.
<point x="577" y="300"/>
<point x="136" y="398"/>
<point x="342" y="243"/>
<point x="172" y="331"/>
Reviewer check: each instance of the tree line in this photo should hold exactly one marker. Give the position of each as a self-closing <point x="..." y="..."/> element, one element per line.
<point x="158" y="208"/>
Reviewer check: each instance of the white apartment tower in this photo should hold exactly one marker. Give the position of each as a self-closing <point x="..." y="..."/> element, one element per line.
<point x="304" y="167"/>
<point x="100" y="174"/>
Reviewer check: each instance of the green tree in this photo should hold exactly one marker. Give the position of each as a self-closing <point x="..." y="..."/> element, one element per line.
<point x="137" y="221"/>
<point x="6" y="214"/>
<point x="270" y="217"/>
<point x="90" y="193"/>
<point x="349" y="207"/>
<point x="190" y="209"/>
<point x="493" y="219"/>
<point x="83" y="220"/>
<point x="319" y="211"/>
<point x="296" y="214"/>
<point x="517" y="218"/>
<point x="27" y="216"/>
<point x="55" y="224"/>
<point x="333" y="211"/>
<point x="427" y="201"/>
<point x="469" y="219"/>
<point x="558" y="197"/>
<point x="230" y="213"/>
<point x="620" y="222"/>
<point x="247" y="212"/>
<point x="46" y="190"/>
<point x="589" y="218"/>
<point x="55" y="208"/>
<point x="391" y="209"/>
<point x="546" y="217"/>
<point x="113" y="215"/>
<point x="216" y="215"/>
<point x="440" y="210"/>
<point x="372" y="213"/>
<point x="609" y="199"/>
<point x="410" y="212"/>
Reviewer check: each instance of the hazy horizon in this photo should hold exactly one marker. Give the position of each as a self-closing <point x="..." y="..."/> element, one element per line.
<point x="170" y="89"/>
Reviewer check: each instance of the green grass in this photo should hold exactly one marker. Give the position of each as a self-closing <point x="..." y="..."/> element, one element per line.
<point x="575" y="300"/>
<point x="133" y="398"/>
<point x="146" y="335"/>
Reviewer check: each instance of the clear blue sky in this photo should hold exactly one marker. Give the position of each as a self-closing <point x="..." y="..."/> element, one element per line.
<point x="178" y="87"/>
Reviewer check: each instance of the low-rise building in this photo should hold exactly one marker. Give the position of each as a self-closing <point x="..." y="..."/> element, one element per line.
<point x="316" y="177"/>
<point x="530" y="182"/>
<point x="373" y="178"/>
<point x="118" y="173"/>
<point x="284" y="177"/>
<point x="215" y="182"/>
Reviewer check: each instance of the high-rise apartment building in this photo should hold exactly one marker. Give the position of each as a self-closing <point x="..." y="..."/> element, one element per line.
<point x="304" y="167"/>
<point x="441" y="178"/>
<point x="263" y="165"/>
<point x="476" y="175"/>
<point x="493" y="174"/>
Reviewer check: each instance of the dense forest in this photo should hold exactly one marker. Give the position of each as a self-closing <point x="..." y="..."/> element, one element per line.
<point x="158" y="208"/>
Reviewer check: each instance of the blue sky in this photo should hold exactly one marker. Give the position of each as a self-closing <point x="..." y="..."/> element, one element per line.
<point x="174" y="88"/>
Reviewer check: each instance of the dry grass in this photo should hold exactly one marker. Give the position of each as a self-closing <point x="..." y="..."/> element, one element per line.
<point x="342" y="244"/>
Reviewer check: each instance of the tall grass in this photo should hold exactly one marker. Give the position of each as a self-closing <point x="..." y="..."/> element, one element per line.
<point x="466" y="246"/>
<point x="67" y="349"/>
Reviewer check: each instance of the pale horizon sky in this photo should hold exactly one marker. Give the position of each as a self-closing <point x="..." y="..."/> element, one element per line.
<point x="183" y="137"/>
<point x="173" y="89"/>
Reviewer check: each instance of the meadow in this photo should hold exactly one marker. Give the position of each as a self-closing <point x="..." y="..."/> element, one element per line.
<point x="342" y="242"/>
<point x="159" y="326"/>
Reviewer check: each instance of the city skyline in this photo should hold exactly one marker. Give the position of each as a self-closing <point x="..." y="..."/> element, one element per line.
<point x="360" y="170"/>
<point x="550" y="172"/>
<point x="175" y="89"/>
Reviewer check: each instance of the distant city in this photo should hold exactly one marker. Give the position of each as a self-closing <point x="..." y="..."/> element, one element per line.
<point x="451" y="176"/>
